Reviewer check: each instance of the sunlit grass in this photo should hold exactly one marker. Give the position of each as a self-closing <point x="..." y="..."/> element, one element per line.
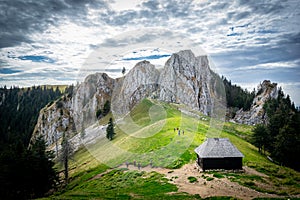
<point x="143" y="143"/>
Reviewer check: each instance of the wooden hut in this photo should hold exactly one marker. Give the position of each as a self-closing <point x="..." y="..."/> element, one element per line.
<point x="218" y="153"/>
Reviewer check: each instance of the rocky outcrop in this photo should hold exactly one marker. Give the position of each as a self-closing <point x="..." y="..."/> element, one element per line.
<point x="72" y="114"/>
<point x="256" y="114"/>
<point x="185" y="79"/>
<point x="54" y="120"/>
<point x="139" y="83"/>
<point x="90" y="96"/>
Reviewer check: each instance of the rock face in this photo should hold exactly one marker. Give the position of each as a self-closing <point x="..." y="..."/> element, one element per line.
<point x="139" y="83"/>
<point x="89" y="96"/>
<point x="256" y="114"/>
<point x="185" y="79"/>
<point x="53" y="121"/>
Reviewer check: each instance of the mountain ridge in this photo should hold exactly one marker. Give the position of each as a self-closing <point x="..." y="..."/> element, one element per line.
<point x="185" y="79"/>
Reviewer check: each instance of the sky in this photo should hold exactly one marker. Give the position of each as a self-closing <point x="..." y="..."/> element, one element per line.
<point x="61" y="41"/>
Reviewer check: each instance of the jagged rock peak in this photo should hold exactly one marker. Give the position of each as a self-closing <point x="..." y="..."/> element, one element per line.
<point x="257" y="115"/>
<point x="186" y="54"/>
<point x="267" y="89"/>
<point x="139" y="83"/>
<point x="186" y="79"/>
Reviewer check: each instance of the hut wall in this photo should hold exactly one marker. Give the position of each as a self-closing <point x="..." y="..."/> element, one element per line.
<point x="221" y="163"/>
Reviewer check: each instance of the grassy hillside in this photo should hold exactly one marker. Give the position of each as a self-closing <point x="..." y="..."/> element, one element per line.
<point x="147" y="137"/>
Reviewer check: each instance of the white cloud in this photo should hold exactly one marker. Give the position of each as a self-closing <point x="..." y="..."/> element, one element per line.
<point x="272" y="65"/>
<point x="244" y="36"/>
<point x="120" y="5"/>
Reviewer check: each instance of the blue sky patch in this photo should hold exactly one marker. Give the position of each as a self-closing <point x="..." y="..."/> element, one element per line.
<point x="8" y="71"/>
<point x="151" y="57"/>
<point x="37" y="58"/>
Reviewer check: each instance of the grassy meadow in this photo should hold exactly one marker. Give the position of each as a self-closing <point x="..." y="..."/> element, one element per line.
<point x="146" y="136"/>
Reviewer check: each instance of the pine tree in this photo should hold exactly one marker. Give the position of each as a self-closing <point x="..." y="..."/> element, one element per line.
<point x="260" y="137"/>
<point x="66" y="154"/>
<point x="123" y="71"/>
<point x="110" y="130"/>
<point x="26" y="173"/>
<point x="106" y="108"/>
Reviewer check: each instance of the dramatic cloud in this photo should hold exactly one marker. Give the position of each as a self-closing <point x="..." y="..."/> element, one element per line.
<point x="248" y="41"/>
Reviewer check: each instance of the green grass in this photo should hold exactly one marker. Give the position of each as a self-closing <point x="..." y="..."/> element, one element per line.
<point x="137" y="140"/>
<point x="120" y="184"/>
<point x="147" y="136"/>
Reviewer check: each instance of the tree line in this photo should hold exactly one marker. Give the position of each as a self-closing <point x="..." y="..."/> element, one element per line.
<point x="236" y="97"/>
<point x="25" y="172"/>
<point x="19" y="109"/>
<point x="279" y="137"/>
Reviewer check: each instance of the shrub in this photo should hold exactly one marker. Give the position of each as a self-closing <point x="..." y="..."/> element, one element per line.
<point x="217" y="175"/>
<point x="192" y="179"/>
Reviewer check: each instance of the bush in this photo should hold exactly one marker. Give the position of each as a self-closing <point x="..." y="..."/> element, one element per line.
<point x="217" y="175"/>
<point x="192" y="179"/>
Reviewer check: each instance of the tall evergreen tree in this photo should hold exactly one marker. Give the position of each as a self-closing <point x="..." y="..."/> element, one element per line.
<point x="260" y="137"/>
<point x="67" y="151"/>
<point x="26" y="173"/>
<point x="106" y="108"/>
<point x="110" y="133"/>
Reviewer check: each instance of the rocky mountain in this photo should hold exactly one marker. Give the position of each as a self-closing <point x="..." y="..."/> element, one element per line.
<point x="185" y="79"/>
<point x="256" y="115"/>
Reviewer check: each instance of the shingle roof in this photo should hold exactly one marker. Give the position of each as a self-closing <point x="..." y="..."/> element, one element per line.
<point x="217" y="148"/>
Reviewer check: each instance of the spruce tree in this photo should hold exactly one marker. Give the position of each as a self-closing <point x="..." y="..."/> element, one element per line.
<point x="106" y="108"/>
<point x="66" y="154"/>
<point x="123" y="71"/>
<point x="110" y="130"/>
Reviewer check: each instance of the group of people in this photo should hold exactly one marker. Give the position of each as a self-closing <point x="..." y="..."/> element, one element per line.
<point x="138" y="165"/>
<point x="178" y="131"/>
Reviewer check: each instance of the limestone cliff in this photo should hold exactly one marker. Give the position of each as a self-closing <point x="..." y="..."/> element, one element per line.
<point x="256" y="114"/>
<point x="139" y="83"/>
<point x="53" y="121"/>
<point x="185" y="79"/>
<point x="89" y="96"/>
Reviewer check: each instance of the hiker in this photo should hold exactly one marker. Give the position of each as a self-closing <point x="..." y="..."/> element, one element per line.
<point x="134" y="163"/>
<point x="127" y="164"/>
<point x="182" y="132"/>
<point x="178" y="132"/>
<point x="139" y="166"/>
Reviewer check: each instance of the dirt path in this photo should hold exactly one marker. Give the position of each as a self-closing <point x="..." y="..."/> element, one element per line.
<point x="215" y="187"/>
